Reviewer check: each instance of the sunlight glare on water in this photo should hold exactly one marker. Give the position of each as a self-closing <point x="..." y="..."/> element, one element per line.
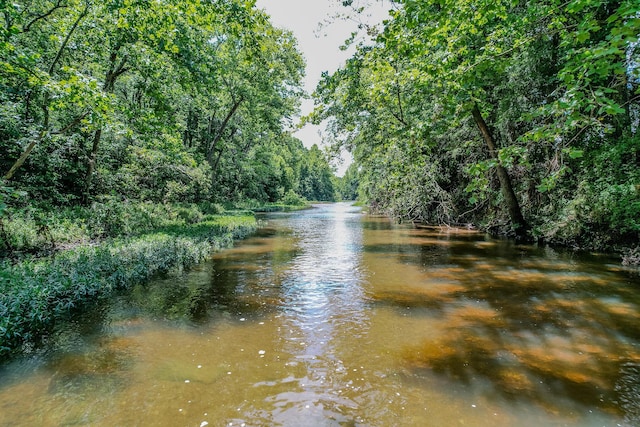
<point x="329" y="317"/>
<point x="322" y="298"/>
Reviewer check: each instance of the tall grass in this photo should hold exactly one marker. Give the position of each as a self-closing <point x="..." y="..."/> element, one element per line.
<point x="35" y="294"/>
<point x="43" y="230"/>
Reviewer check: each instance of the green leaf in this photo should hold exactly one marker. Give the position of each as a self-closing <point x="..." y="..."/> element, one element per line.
<point x="575" y="154"/>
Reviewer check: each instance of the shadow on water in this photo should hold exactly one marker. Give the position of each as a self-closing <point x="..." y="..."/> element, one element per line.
<point x="96" y="353"/>
<point x="531" y="323"/>
<point x="101" y="370"/>
<point x="85" y="347"/>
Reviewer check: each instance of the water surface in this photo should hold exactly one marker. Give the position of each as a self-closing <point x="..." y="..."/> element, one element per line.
<point x="330" y="317"/>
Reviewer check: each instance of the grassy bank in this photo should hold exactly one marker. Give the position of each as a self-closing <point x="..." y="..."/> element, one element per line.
<point x="37" y="292"/>
<point x="279" y="207"/>
<point x="290" y="202"/>
<point x="37" y="231"/>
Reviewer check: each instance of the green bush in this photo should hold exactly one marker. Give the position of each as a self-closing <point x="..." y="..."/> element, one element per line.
<point x="40" y="230"/>
<point x="292" y="198"/>
<point x="190" y="214"/>
<point x="113" y="218"/>
<point x="210" y="208"/>
<point x="599" y="216"/>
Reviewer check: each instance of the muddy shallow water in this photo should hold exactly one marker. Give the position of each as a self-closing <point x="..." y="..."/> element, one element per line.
<point x="329" y="317"/>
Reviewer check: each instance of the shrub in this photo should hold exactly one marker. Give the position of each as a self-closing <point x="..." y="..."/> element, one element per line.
<point x="293" y="199"/>
<point x="210" y="208"/>
<point x="41" y="230"/>
<point x="599" y="216"/>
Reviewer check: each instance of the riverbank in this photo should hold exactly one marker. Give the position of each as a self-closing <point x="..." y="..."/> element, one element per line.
<point x="36" y="292"/>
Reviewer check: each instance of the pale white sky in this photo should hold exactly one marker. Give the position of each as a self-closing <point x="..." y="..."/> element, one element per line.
<point x="320" y="46"/>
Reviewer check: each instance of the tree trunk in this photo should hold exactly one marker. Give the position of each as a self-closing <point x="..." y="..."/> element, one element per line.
<point x="111" y="76"/>
<point x="36" y="140"/>
<point x="214" y="167"/>
<point x="92" y="163"/>
<point x="221" y="129"/>
<point x="520" y="226"/>
<point x="23" y="157"/>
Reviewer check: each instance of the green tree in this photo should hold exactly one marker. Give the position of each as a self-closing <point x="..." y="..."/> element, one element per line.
<point x="486" y="110"/>
<point x="348" y="184"/>
<point x="141" y="100"/>
<point x="315" y="177"/>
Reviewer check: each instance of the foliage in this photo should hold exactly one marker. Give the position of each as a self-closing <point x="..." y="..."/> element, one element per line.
<point x="41" y="231"/>
<point x="36" y="294"/>
<point x="347" y="185"/>
<point x="498" y="113"/>
<point x="174" y="102"/>
<point x="293" y="199"/>
<point x="316" y="177"/>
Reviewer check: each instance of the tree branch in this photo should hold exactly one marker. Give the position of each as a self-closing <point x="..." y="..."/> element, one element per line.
<point x="222" y="127"/>
<point x="58" y="5"/>
<point x="398" y="118"/>
<point x="70" y="125"/>
<point x="24" y="155"/>
<point x="121" y="69"/>
<point x="66" y="40"/>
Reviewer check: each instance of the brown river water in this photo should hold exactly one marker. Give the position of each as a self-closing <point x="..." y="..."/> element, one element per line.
<point x="330" y="317"/>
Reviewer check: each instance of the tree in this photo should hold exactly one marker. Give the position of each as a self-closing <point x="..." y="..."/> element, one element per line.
<point x="315" y="177"/>
<point x="348" y="184"/>
<point x="140" y="100"/>
<point x="46" y="98"/>
<point x="455" y="100"/>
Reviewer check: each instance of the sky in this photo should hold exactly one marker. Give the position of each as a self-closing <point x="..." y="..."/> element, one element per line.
<point x="319" y="45"/>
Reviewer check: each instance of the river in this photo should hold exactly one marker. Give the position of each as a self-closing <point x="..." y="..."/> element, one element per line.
<point x="330" y="317"/>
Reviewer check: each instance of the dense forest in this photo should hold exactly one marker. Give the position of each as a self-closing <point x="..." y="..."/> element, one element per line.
<point x="518" y="117"/>
<point x="181" y="101"/>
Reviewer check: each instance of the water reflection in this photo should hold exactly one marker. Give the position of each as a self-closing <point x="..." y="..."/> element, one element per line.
<point x="332" y="318"/>
<point x="323" y="300"/>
